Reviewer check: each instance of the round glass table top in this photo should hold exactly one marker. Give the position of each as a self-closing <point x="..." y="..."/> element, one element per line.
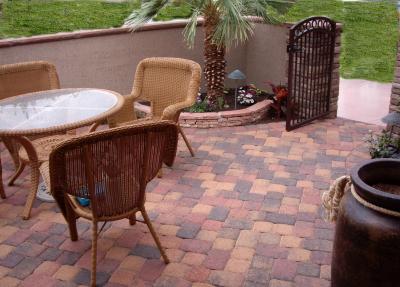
<point x="56" y="110"/>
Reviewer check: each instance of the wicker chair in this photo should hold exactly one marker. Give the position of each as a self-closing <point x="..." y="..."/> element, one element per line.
<point x="21" y="78"/>
<point x="110" y="168"/>
<point x="169" y="84"/>
<point x="2" y="193"/>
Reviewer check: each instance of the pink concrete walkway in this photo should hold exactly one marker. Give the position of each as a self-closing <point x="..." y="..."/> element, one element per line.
<point x="363" y="100"/>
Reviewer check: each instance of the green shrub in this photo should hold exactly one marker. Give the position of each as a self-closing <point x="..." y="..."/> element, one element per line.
<point x="383" y="145"/>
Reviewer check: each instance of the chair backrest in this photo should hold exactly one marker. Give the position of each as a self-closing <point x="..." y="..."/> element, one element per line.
<point x="163" y="82"/>
<point x="27" y="77"/>
<point x="166" y="81"/>
<point x="113" y="167"/>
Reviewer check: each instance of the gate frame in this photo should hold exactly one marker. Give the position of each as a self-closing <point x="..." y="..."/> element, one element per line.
<point x="291" y="51"/>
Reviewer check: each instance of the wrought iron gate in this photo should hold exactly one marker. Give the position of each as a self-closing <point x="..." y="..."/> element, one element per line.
<point x="311" y="51"/>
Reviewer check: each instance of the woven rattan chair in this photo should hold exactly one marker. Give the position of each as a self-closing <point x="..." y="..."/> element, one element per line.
<point x="21" y="78"/>
<point x="2" y="193"/>
<point x="169" y="84"/>
<point x="110" y="168"/>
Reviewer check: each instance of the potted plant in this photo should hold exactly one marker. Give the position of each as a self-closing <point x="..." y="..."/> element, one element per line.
<point x="278" y="99"/>
<point x="383" y="145"/>
<point x="366" y="249"/>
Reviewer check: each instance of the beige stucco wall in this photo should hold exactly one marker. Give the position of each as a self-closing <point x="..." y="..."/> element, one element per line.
<point x="108" y="60"/>
<point x="266" y="57"/>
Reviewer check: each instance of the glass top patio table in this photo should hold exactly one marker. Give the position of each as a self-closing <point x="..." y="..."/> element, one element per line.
<point x="56" y="110"/>
<point x="51" y="112"/>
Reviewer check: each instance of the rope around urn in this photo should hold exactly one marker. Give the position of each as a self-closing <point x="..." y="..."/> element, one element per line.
<point x="331" y="199"/>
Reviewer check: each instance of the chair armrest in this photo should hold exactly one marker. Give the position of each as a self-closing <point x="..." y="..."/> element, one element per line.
<point x="125" y="114"/>
<point x="135" y="94"/>
<point x="171" y="112"/>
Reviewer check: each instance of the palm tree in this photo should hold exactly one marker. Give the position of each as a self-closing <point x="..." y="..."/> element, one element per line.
<point x="225" y="23"/>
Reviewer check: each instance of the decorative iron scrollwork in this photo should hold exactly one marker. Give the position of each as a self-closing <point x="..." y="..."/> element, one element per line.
<point x="311" y="51"/>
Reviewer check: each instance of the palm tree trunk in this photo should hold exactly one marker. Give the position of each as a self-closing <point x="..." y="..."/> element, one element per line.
<point x="214" y="59"/>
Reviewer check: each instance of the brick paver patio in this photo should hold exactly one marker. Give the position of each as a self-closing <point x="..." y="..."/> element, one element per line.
<point x="244" y="212"/>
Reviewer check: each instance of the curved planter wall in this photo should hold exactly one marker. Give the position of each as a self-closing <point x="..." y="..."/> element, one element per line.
<point x="241" y="117"/>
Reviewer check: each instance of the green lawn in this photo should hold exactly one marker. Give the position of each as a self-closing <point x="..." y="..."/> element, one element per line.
<point x="368" y="41"/>
<point x="35" y="17"/>
<point x="369" y="35"/>
<point x="174" y="12"/>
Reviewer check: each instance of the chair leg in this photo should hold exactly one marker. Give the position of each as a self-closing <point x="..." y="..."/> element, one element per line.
<point x="94" y="254"/>
<point x="32" y="194"/>
<point x="186" y="141"/>
<point x="73" y="231"/>
<point x="2" y="193"/>
<point x="17" y="173"/>
<point x="132" y="219"/>
<point x="71" y="220"/>
<point x="154" y="234"/>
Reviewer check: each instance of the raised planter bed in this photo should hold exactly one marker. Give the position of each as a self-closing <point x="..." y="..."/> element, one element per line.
<point x="240" y="117"/>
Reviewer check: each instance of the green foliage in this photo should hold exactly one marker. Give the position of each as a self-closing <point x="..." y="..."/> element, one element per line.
<point x="200" y="107"/>
<point x="34" y="17"/>
<point x="281" y="6"/>
<point x="174" y="12"/>
<point x="232" y="26"/>
<point x="368" y="41"/>
<point x="382" y="145"/>
<point x="221" y="102"/>
<point x="369" y="38"/>
<point x="307" y="8"/>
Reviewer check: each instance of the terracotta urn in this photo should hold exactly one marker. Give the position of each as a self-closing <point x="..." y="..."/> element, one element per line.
<point x="366" y="249"/>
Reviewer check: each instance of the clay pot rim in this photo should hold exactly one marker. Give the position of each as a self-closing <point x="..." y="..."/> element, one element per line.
<point x="371" y="194"/>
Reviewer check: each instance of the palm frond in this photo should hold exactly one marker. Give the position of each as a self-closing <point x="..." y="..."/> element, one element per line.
<point x="190" y="30"/>
<point x="261" y="8"/>
<point x="145" y="13"/>
<point x="196" y="3"/>
<point x="234" y="26"/>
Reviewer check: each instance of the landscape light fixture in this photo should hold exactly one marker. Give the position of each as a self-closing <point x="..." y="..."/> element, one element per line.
<point x="237" y="76"/>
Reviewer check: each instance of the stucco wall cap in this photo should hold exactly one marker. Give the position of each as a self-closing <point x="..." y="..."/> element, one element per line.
<point x="63" y="36"/>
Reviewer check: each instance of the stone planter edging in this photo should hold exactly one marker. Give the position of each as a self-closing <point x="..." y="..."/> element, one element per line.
<point x="241" y="117"/>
